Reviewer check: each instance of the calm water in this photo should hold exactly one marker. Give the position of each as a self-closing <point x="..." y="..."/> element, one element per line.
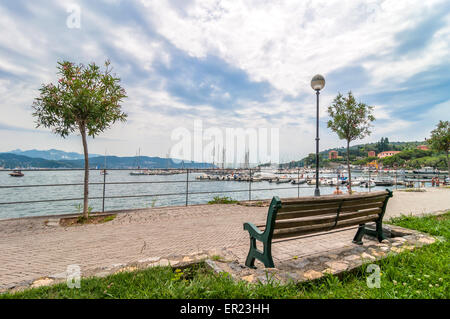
<point x="176" y="186"/>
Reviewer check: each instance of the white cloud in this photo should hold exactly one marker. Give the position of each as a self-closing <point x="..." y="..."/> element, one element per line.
<point x="285" y="43"/>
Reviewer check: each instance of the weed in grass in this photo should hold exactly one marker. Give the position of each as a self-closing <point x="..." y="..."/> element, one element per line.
<point x="222" y="200"/>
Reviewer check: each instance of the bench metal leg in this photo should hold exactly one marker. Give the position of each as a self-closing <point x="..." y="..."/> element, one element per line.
<point x="264" y="256"/>
<point x="359" y="234"/>
<point x="267" y="260"/>
<point x="250" y="261"/>
<point x="379" y="230"/>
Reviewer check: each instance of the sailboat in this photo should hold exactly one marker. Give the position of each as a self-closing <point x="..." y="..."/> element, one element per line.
<point x="103" y="171"/>
<point x="139" y="171"/>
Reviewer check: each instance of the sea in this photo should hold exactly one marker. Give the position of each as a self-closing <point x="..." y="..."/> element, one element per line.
<point x="165" y="190"/>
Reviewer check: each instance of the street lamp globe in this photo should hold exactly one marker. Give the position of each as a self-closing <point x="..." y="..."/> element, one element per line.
<point x="318" y="82"/>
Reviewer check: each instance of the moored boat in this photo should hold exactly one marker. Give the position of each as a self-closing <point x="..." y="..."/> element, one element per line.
<point x="16" y="173"/>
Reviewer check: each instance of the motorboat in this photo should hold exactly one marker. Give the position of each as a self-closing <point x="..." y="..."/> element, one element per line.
<point x="16" y="173"/>
<point x="367" y="184"/>
<point x="384" y="181"/>
<point x="425" y="170"/>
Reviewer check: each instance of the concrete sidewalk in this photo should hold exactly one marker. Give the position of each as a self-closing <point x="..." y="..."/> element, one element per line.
<point x="31" y="248"/>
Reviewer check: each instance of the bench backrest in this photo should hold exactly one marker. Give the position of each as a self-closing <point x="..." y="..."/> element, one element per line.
<point x="297" y="217"/>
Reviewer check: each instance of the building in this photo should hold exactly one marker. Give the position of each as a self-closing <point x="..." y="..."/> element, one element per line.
<point x="387" y="153"/>
<point x="332" y="155"/>
<point x="371" y="154"/>
<point x="423" y="147"/>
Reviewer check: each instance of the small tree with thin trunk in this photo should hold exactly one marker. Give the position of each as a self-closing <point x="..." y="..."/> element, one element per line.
<point x="440" y="140"/>
<point x="86" y="99"/>
<point x="350" y="120"/>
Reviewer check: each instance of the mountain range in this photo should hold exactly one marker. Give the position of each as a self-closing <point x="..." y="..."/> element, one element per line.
<point x="60" y="159"/>
<point x="52" y="154"/>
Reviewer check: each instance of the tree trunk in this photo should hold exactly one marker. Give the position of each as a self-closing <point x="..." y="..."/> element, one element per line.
<point x="86" y="172"/>
<point x="348" y="167"/>
<point x="448" y="165"/>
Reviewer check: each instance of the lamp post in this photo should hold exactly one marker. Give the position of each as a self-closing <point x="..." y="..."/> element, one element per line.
<point x="317" y="83"/>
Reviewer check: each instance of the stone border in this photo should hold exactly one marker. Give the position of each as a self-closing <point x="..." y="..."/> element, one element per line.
<point x="294" y="270"/>
<point x="333" y="262"/>
<point x="142" y="264"/>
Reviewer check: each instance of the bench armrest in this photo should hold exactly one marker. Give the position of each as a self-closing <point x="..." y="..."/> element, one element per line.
<point x="254" y="231"/>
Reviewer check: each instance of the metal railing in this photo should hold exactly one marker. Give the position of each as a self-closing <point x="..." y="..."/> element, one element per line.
<point x="247" y="174"/>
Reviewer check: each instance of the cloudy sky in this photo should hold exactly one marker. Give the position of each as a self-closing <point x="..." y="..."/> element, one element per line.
<point x="245" y="64"/>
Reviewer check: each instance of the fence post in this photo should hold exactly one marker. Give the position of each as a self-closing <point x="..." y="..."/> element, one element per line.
<point x="298" y="182"/>
<point x="368" y="183"/>
<point x="250" y="186"/>
<point x="187" y="185"/>
<point x="104" y="184"/>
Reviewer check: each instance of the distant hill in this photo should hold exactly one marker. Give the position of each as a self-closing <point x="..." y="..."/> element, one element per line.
<point x="10" y="161"/>
<point x="52" y="154"/>
<point x="133" y="162"/>
<point x="358" y="150"/>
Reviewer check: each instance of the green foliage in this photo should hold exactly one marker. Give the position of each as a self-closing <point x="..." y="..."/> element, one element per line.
<point x="350" y="119"/>
<point x="85" y="98"/>
<point x="383" y="145"/>
<point x="421" y="273"/>
<point x="415" y="158"/>
<point x="440" y="140"/>
<point x="440" y="137"/>
<point x="364" y="161"/>
<point x="222" y="200"/>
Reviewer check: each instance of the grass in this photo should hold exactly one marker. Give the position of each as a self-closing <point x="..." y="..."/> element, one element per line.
<point x="415" y="190"/>
<point x="422" y="273"/>
<point x="222" y="200"/>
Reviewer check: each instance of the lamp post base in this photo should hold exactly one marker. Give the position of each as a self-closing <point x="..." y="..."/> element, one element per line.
<point x="317" y="192"/>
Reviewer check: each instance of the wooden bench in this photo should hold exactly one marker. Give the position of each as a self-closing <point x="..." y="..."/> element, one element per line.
<point x="297" y="217"/>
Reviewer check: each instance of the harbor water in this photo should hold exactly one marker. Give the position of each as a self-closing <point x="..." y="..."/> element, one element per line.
<point x="168" y="190"/>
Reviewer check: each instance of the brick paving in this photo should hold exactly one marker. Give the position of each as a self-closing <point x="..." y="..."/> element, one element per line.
<point x="30" y="248"/>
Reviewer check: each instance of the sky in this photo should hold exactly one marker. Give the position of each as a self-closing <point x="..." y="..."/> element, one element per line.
<point x="230" y="64"/>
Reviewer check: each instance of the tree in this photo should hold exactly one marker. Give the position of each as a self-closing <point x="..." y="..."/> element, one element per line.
<point x="440" y="140"/>
<point x="350" y="120"/>
<point x="85" y="99"/>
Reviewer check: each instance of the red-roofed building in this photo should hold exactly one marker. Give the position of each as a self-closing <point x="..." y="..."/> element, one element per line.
<point x="387" y="153"/>
<point x="423" y="147"/>
<point x="332" y="155"/>
<point x="371" y="154"/>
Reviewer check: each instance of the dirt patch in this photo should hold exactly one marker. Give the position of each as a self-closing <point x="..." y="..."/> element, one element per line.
<point x="78" y="221"/>
<point x="443" y="217"/>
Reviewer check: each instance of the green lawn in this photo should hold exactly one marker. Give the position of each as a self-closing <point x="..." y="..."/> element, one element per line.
<point x="423" y="273"/>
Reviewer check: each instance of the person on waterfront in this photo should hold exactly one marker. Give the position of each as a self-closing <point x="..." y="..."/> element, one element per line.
<point x="437" y="181"/>
<point x="433" y="182"/>
<point x="337" y="191"/>
<point x="348" y="189"/>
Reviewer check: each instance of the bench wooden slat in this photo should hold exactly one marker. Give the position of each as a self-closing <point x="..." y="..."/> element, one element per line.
<point x="323" y="220"/>
<point x="306" y="213"/>
<point x="331" y="198"/>
<point x="305" y="230"/>
<point x="329" y="209"/>
<point x="336" y="202"/>
<point x="354" y="208"/>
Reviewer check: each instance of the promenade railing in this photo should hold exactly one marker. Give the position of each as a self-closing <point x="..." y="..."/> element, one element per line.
<point x="248" y="176"/>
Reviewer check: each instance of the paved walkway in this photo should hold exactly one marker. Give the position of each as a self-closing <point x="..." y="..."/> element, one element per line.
<point x="31" y="248"/>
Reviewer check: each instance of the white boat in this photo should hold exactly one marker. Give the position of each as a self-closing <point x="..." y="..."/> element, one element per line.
<point x="425" y="170"/>
<point x="297" y="181"/>
<point x="367" y="184"/>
